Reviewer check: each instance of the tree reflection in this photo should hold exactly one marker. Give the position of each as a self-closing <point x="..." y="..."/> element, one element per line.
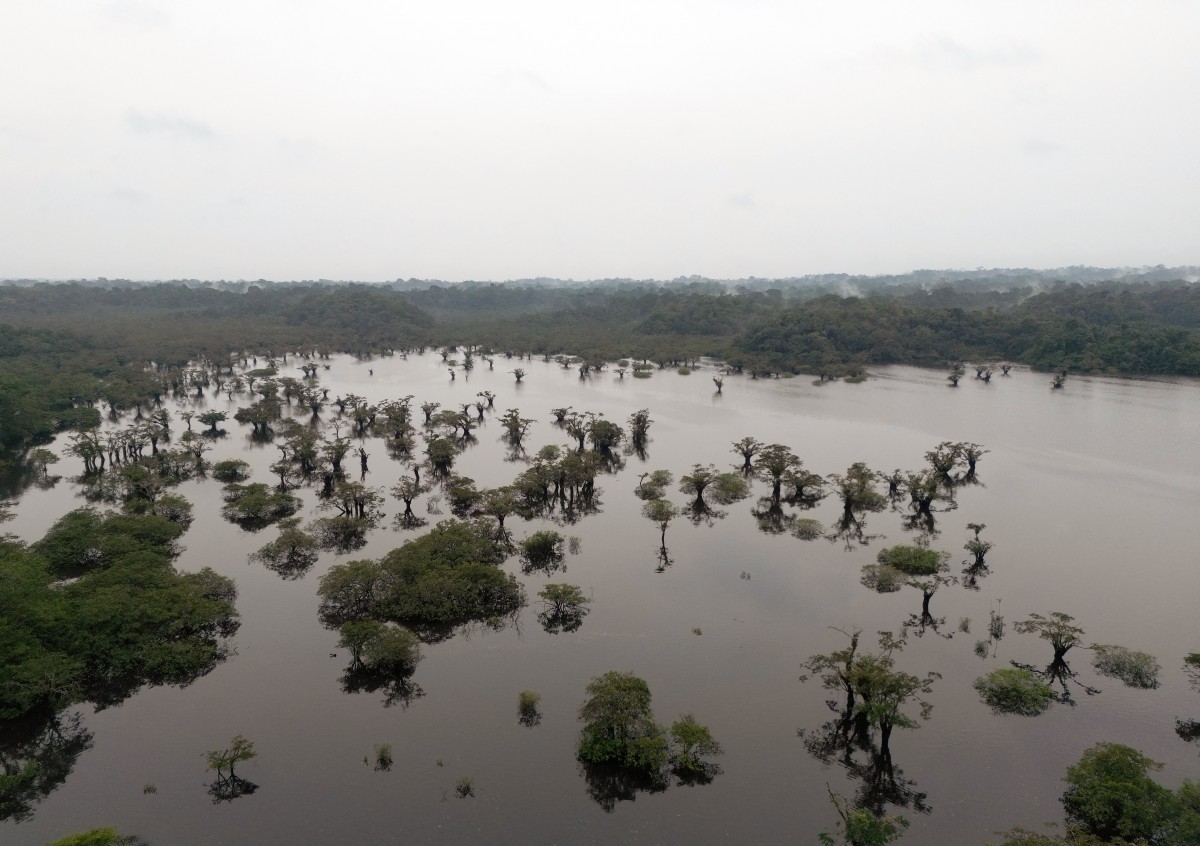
<point x="1058" y="672"/>
<point x="851" y="530"/>
<point x="608" y="784"/>
<point x="699" y="512"/>
<point x="226" y="788"/>
<point x="846" y="741"/>
<point x="1189" y="730"/>
<point x="770" y="516"/>
<point x="397" y="688"/>
<point x="36" y="756"/>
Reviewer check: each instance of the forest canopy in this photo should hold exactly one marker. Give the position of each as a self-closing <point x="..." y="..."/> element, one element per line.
<point x="66" y="347"/>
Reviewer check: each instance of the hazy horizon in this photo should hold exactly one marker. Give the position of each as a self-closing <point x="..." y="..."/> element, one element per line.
<point x="298" y="139"/>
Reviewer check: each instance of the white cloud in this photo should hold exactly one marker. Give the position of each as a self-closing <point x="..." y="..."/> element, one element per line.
<point x="169" y="125"/>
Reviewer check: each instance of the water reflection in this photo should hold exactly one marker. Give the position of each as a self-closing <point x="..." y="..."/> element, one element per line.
<point x="226" y="788"/>
<point x="851" y="531"/>
<point x="36" y="756"/>
<point x="846" y="740"/>
<point x="397" y="688"/>
<point x="608" y="784"/>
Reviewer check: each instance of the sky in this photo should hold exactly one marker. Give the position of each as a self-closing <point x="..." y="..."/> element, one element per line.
<point x="499" y="139"/>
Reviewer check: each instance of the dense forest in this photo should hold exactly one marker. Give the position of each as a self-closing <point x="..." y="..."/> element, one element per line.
<point x="65" y="347"/>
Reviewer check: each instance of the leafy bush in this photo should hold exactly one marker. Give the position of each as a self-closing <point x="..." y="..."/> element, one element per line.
<point x="231" y="470"/>
<point x="1135" y="669"/>
<point x="1015" y="691"/>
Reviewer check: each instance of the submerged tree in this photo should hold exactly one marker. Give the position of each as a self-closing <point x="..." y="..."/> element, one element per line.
<point x="543" y="552"/>
<point x="860" y="826"/>
<point x="290" y="555"/>
<point x="692" y="746"/>
<point x="660" y="512"/>
<point x="618" y="724"/>
<point x="563" y="608"/>
<point x="1013" y="690"/>
<point x="876" y="692"/>
<point x="915" y="566"/>
<point x="639" y="428"/>
<point x="653" y="485"/>
<point x="1059" y="629"/>
<point x="747" y="448"/>
<point x="229" y="785"/>
<point x="775" y="461"/>
<point x="856" y="488"/>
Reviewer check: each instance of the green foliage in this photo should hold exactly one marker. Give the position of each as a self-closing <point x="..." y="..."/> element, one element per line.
<point x="1134" y="669"/>
<point x="1110" y="795"/>
<point x="857" y="489"/>
<point x="875" y="690"/>
<point x="692" y="743"/>
<point x="1013" y="690"/>
<point x="441" y="452"/>
<point x="619" y="725"/>
<point x="862" y="827"/>
<point x="465" y="787"/>
<point x="291" y="554"/>
<point x="97" y="837"/>
<point x="255" y="505"/>
<point x="653" y="485"/>
<point x="913" y="560"/>
<point x="564" y="607"/>
<point x="443" y="579"/>
<point x="129" y="618"/>
<point x="383" y="757"/>
<point x="527" y="703"/>
<point x="660" y="512"/>
<point x="240" y="749"/>
<point x="380" y="647"/>
<point x="231" y="470"/>
<point x="1058" y="628"/>
<point x="806" y="528"/>
<point x="542" y="551"/>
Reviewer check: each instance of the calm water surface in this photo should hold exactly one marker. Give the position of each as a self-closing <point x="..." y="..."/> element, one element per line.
<point x="1090" y="495"/>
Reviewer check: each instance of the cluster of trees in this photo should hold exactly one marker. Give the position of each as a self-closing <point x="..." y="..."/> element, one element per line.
<point x="624" y="749"/>
<point x="443" y="579"/>
<point x="92" y="612"/>
<point x="423" y="591"/>
<point x="72" y="345"/>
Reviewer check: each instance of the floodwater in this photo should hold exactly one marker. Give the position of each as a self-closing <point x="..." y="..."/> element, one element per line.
<point x="1090" y="496"/>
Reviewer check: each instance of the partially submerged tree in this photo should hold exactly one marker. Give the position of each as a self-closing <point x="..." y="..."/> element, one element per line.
<point x="380" y="647"/>
<point x="1059" y="629"/>
<point x="660" y="512"/>
<point x="653" y="485"/>
<point x="229" y="785"/>
<point x="861" y="826"/>
<point x="1134" y="669"/>
<point x="747" y="448"/>
<point x="919" y="567"/>
<point x="543" y="552"/>
<point x="618" y="724"/>
<point x="1013" y="690"/>
<point x="290" y="555"/>
<point x="876" y="692"/>
<point x="563" y="608"/>
<point x="775" y="461"/>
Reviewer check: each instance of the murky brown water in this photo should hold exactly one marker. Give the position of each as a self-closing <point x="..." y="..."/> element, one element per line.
<point x="1090" y="496"/>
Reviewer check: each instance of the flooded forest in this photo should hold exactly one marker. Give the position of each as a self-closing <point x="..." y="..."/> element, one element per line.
<point x="512" y="564"/>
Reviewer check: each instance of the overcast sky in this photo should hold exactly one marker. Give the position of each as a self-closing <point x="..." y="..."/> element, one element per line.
<point x="496" y="139"/>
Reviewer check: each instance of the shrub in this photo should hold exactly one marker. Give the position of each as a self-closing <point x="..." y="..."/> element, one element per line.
<point x="1134" y="669"/>
<point x="1015" y="691"/>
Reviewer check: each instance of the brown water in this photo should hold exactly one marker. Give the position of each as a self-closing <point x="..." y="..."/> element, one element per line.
<point x="1090" y="496"/>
